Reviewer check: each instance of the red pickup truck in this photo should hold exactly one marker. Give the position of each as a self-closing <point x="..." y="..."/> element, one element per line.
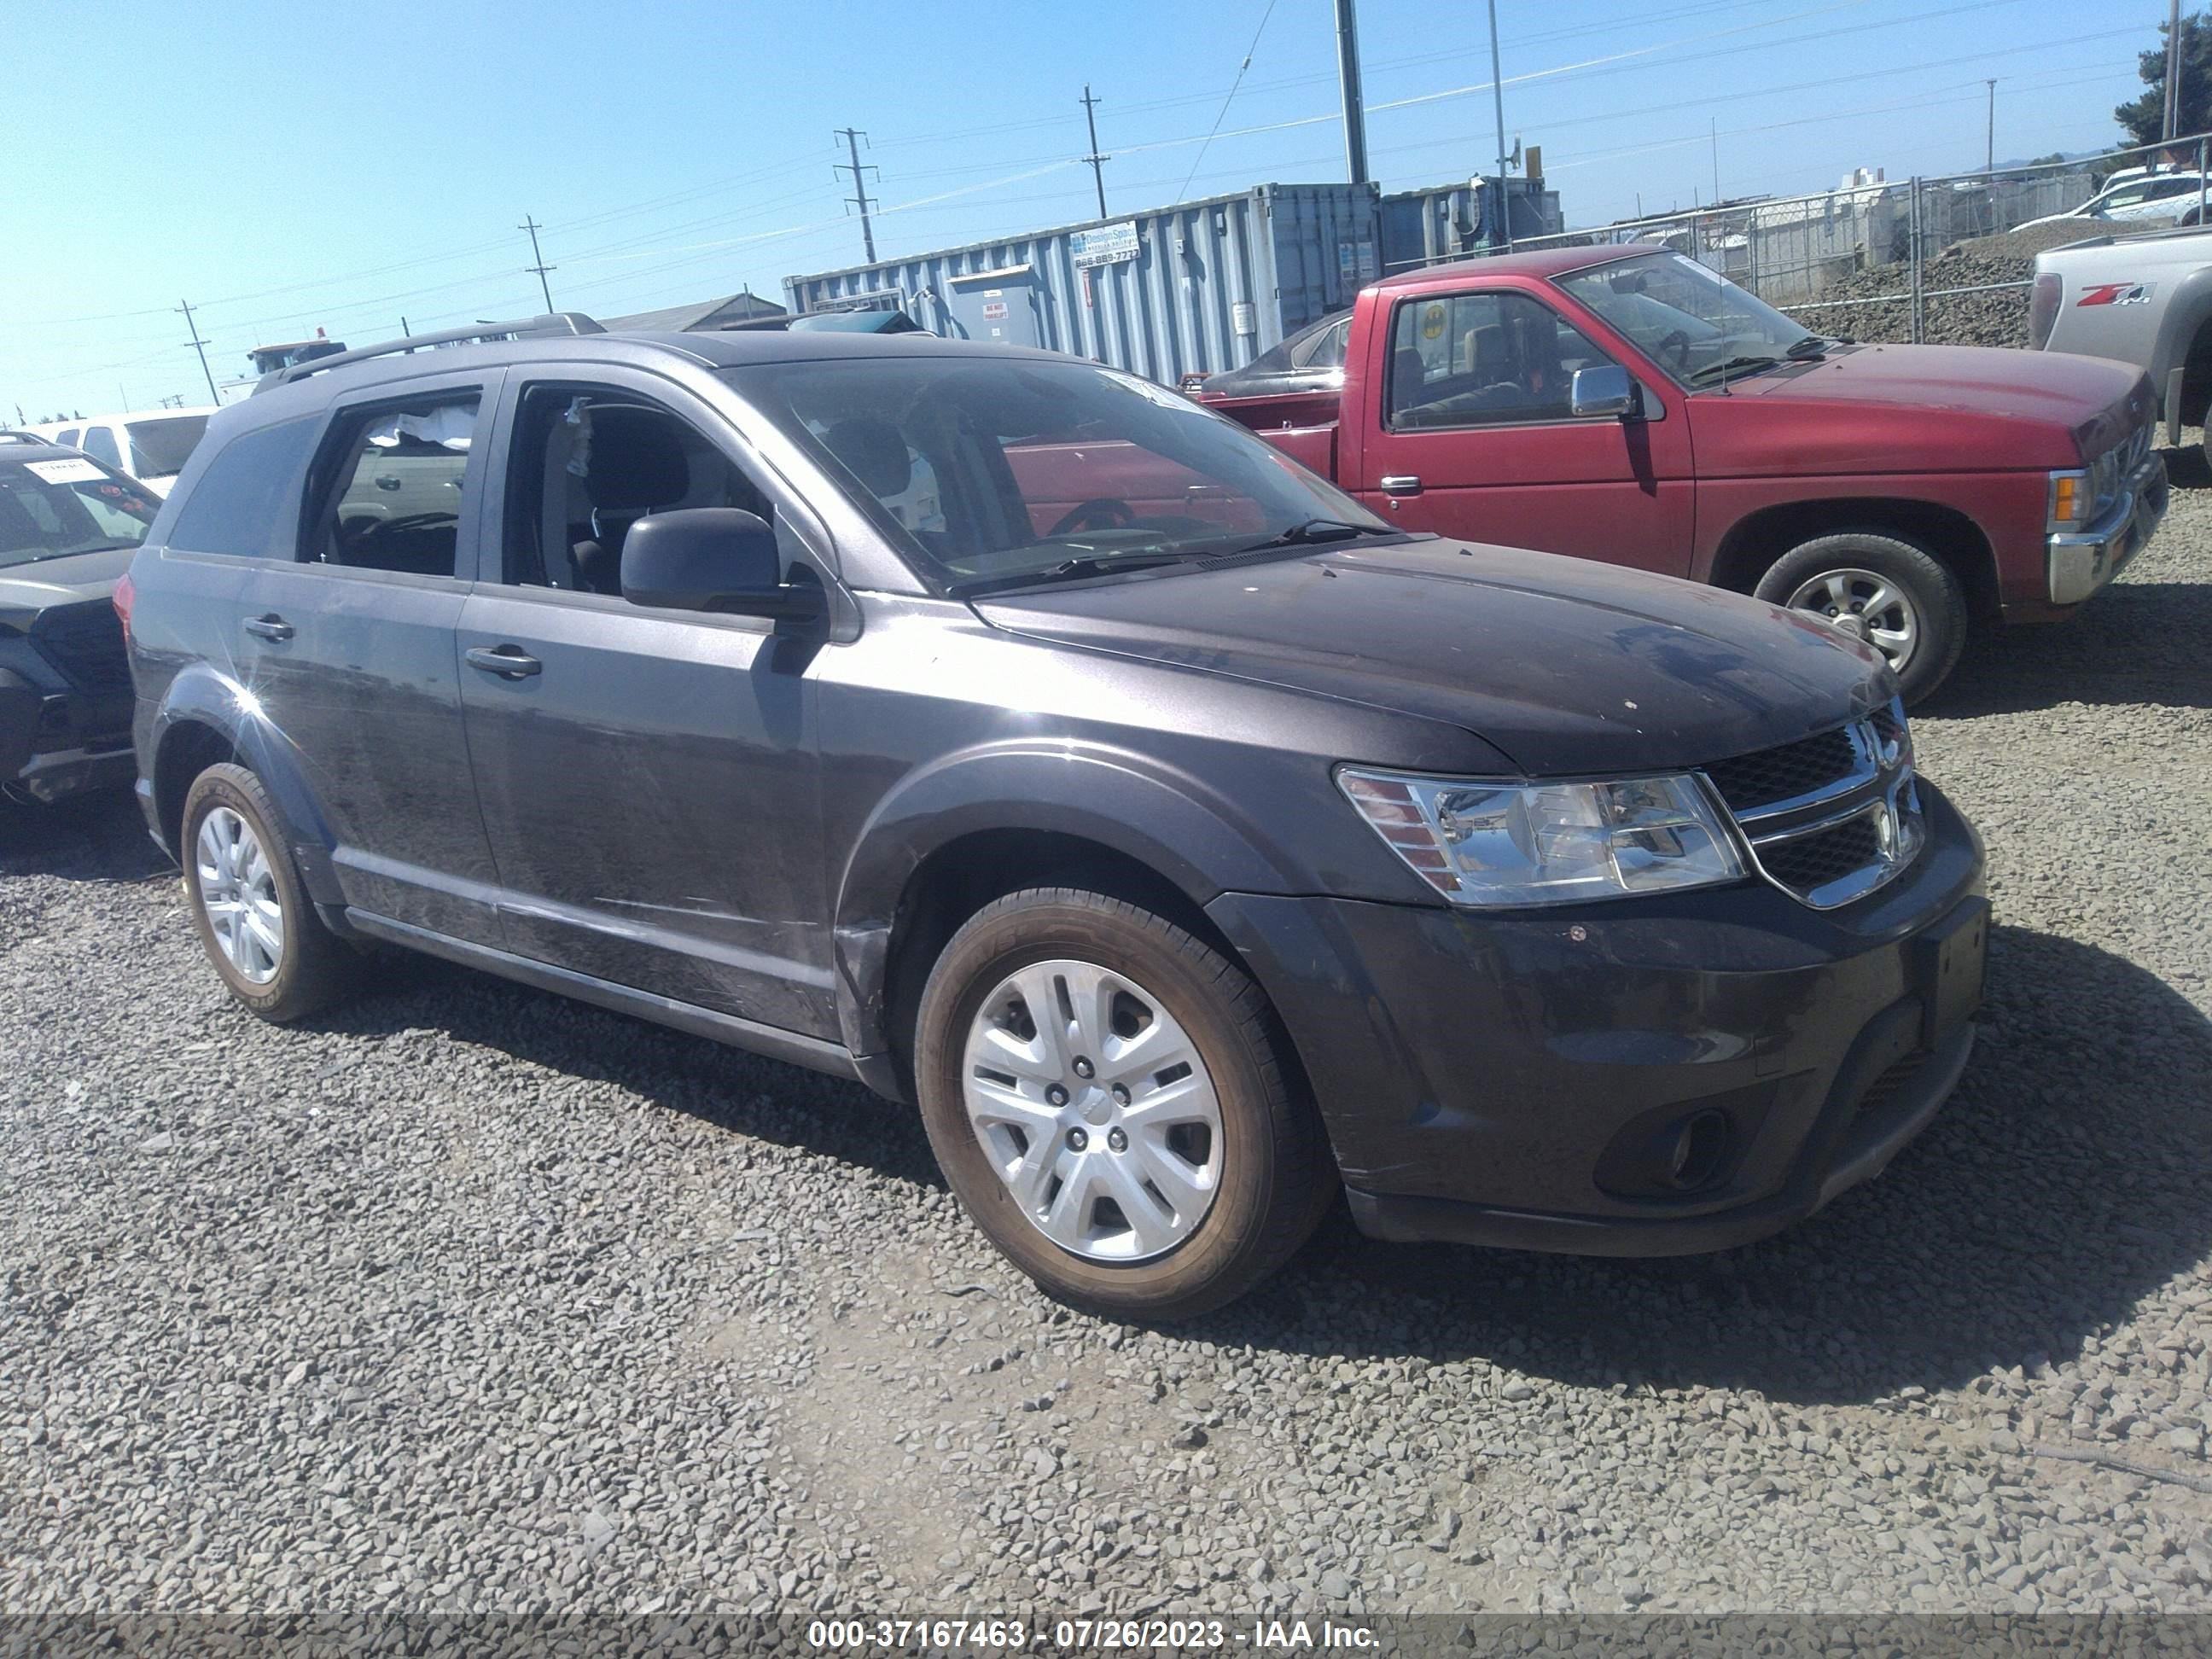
<point x="1630" y="404"/>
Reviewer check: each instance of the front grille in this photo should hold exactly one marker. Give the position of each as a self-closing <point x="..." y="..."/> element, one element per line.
<point x="1833" y="816"/>
<point x="84" y="642"/>
<point x="1772" y="775"/>
<point x="1886" y="1087"/>
<point x="1812" y="861"/>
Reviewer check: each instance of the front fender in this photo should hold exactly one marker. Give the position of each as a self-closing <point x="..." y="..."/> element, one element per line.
<point x="203" y="695"/>
<point x="1184" y="829"/>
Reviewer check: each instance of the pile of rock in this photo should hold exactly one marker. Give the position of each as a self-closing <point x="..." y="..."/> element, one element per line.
<point x="1992" y="317"/>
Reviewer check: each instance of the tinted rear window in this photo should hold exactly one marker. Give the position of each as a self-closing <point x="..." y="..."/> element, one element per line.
<point x="245" y="502"/>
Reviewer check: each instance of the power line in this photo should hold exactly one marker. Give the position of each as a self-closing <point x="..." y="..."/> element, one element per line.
<point x="538" y="267"/>
<point x="1233" y="85"/>
<point x="859" y="195"/>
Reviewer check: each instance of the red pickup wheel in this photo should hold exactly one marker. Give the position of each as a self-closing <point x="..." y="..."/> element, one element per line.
<point x="1897" y="596"/>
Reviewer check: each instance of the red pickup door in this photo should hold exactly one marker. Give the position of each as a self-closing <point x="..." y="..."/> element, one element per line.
<point x="1630" y="404"/>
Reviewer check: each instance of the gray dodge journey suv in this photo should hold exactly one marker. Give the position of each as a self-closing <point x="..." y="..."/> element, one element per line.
<point x="1186" y="842"/>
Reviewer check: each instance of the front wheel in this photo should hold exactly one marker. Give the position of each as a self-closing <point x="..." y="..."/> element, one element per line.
<point x="1111" y="1101"/>
<point x="1895" y="596"/>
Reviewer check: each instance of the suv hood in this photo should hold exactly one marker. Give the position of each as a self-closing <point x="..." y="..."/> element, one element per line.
<point x="1918" y="408"/>
<point x="1566" y="665"/>
<point x="27" y="589"/>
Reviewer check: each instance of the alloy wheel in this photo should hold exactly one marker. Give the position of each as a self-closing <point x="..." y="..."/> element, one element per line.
<point x="238" y="894"/>
<point x="1096" y="1109"/>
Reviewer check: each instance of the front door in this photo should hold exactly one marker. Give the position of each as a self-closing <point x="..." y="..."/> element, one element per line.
<point x="347" y="650"/>
<point x="1477" y="440"/>
<point x="648" y="777"/>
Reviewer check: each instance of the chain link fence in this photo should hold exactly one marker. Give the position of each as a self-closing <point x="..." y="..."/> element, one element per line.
<point x="1942" y="257"/>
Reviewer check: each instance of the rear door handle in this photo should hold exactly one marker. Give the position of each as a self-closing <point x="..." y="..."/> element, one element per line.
<point x="270" y="627"/>
<point x="1401" y="484"/>
<point x="509" y="662"/>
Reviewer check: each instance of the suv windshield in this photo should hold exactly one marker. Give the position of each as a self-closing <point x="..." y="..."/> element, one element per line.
<point x="1689" y="319"/>
<point x="49" y="509"/>
<point x="159" y="448"/>
<point x="998" y="471"/>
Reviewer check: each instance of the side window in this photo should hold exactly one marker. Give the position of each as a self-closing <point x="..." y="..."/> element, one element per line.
<point x="66" y="437"/>
<point x="391" y="496"/>
<point x="100" y="444"/>
<point x="1482" y="360"/>
<point x="244" y="503"/>
<point x="587" y="463"/>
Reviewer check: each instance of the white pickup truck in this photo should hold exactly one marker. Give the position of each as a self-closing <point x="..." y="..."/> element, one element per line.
<point x="2141" y="300"/>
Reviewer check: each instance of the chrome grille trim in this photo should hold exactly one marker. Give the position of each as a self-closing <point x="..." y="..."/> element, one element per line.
<point x="1878" y="796"/>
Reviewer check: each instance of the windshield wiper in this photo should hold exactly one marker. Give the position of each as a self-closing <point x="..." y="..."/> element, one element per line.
<point x="1090" y="564"/>
<point x="1311" y="530"/>
<point x="1733" y="366"/>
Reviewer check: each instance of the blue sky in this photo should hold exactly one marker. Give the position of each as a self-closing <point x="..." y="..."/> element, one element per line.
<point x="286" y="165"/>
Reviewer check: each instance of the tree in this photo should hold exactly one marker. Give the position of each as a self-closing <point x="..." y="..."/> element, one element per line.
<point x="2144" y="117"/>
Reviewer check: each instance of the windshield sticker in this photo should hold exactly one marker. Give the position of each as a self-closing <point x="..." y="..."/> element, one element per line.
<point x="2118" y="293"/>
<point x="54" y="472"/>
<point x="1150" y="393"/>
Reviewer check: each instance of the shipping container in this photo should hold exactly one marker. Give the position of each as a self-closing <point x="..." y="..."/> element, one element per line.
<point x="1449" y="221"/>
<point x="1193" y="288"/>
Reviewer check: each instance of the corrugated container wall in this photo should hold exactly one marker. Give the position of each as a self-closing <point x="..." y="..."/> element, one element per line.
<point x="1196" y="287"/>
<point x="1446" y="221"/>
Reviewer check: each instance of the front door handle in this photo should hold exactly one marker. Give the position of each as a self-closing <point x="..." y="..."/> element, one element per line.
<point x="1401" y="484"/>
<point x="509" y="662"/>
<point x="270" y="627"/>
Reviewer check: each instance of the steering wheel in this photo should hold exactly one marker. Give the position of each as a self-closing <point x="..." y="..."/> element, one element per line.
<point x="1099" y="512"/>
<point x="1677" y="343"/>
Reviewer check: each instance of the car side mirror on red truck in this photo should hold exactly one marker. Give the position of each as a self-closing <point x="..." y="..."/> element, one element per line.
<point x="1602" y="391"/>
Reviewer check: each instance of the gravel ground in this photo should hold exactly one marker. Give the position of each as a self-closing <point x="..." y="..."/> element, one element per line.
<point x="469" y="1297"/>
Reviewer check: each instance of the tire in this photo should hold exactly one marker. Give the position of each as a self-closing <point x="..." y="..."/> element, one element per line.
<point x="1826" y="576"/>
<point x="1151" y="990"/>
<point x="310" y="965"/>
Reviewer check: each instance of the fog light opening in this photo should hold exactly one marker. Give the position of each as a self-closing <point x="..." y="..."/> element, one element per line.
<point x="1700" y="1147"/>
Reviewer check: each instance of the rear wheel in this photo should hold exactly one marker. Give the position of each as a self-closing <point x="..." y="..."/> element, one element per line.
<point x="1895" y="596"/>
<point x="1109" y="1099"/>
<point x="253" y="916"/>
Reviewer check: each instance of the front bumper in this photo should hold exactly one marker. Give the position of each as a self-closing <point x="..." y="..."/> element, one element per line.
<point x="2079" y="562"/>
<point x="1514" y="1081"/>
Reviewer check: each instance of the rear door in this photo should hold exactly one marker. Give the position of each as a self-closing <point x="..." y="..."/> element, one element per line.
<point x="648" y="777"/>
<point x="1473" y="436"/>
<point x="348" y="648"/>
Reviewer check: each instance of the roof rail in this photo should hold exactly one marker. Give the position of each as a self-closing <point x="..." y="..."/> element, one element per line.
<point x="558" y="322"/>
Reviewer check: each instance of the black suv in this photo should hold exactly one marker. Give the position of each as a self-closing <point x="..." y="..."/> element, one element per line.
<point x="68" y="528"/>
<point x="1025" y="741"/>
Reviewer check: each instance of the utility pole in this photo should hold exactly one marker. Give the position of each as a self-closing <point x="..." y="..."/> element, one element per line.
<point x="1989" y="156"/>
<point x="1098" y="161"/>
<point x="200" y="346"/>
<point x="538" y="267"/>
<point x="2172" y="128"/>
<point x="1713" y="124"/>
<point x="859" y="197"/>
<point x="1497" y="103"/>
<point x="1355" y="111"/>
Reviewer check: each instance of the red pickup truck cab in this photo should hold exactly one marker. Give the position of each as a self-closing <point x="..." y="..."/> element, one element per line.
<point x="1630" y="404"/>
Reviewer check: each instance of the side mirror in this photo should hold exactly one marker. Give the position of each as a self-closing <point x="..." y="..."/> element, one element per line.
<point x="1593" y="392"/>
<point x="714" y="558"/>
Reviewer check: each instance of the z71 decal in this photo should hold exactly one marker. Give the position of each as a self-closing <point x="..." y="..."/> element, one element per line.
<point x="2118" y="293"/>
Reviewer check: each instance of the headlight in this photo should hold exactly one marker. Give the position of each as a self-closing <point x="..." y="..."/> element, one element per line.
<point x="1484" y="843"/>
